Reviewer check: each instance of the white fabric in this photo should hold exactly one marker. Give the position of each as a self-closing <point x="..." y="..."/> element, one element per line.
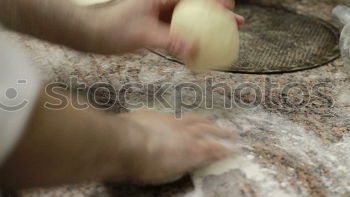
<point x="19" y="86"/>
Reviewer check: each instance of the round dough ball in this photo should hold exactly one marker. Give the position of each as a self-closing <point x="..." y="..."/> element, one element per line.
<point x="213" y="29"/>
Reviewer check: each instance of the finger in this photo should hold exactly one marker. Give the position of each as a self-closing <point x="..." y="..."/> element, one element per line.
<point x="160" y="37"/>
<point x="229" y="4"/>
<point x="203" y="153"/>
<point x="240" y="19"/>
<point x="213" y="150"/>
<point x="209" y="131"/>
<point x="193" y="118"/>
<point x="164" y="4"/>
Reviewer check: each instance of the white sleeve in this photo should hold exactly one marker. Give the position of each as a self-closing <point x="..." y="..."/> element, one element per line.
<point x="19" y="87"/>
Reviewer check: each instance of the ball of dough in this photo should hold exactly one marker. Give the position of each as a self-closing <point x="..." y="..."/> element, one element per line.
<point x="213" y="29"/>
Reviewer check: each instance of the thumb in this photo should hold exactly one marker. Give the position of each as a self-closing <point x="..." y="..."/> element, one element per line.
<point x="160" y="37"/>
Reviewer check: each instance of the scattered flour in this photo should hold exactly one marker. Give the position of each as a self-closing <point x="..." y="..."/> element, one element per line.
<point x="293" y="139"/>
<point x="253" y="171"/>
<point x="344" y="97"/>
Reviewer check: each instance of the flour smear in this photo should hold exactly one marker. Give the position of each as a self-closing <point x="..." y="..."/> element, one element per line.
<point x="293" y="139"/>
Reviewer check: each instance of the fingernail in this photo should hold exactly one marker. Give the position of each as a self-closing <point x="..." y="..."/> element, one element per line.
<point x="240" y="19"/>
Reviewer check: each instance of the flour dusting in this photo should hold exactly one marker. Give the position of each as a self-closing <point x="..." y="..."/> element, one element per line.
<point x="268" y="186"/>
<point x="296" y="141"/>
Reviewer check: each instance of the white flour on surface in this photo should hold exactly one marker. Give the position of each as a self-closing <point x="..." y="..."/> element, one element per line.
<point x="268" y="186"/>
<point x="303" y="145"/>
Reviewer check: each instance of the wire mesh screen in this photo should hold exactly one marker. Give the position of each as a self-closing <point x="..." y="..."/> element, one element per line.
<point x="276" y="40"/>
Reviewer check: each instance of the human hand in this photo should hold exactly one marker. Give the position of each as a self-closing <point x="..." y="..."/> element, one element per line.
<point x="134" y="24"/>
<point x="161" y="147"/>
<point x="230" y="4"/>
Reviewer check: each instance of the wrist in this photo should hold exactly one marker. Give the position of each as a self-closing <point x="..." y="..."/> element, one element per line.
<point x="112" y="150"/>
<point x="82" y="31"/>
<point x="129" y="146"/>
<point x="103" y="27"/>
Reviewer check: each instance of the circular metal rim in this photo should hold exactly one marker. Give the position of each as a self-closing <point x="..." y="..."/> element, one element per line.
<point x="334" y="54"/>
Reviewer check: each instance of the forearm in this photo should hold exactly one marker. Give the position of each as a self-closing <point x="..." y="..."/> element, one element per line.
<point x="60" y="21"/>
<point x="64" y="146"/>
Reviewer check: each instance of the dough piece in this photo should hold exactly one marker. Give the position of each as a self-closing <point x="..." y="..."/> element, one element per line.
<point x="216" y="168"/>
<point x="90" y="2"/>
<point x="213" y="28"/>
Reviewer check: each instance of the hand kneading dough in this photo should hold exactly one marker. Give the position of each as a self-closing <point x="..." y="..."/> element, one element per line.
<point x="213" y="28"/>
<point x="89" y="2"/>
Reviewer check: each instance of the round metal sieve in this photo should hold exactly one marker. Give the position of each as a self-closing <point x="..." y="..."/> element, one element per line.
<point x="276" y="40"/>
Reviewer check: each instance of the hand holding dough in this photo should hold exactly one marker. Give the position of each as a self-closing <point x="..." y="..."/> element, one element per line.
<point x="213" y="29"/>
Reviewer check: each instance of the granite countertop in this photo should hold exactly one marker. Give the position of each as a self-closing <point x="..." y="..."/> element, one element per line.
<point x="294" y="144"/>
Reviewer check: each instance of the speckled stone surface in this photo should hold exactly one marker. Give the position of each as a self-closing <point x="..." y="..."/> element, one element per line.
<point x="295" y="143"/>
